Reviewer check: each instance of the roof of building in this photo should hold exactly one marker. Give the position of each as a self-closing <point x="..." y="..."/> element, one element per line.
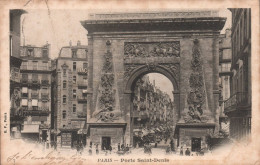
<point x="66" y="51"/>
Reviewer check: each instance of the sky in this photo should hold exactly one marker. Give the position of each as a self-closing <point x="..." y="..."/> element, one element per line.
<point x="162" y="82"/>
<point x="59" y="27"/>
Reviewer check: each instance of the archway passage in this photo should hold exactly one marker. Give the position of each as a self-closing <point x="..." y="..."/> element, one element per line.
<point x="152" y="110"/>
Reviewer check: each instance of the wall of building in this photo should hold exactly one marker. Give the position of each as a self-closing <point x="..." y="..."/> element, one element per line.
<point x="67" y="62"/>
<point x="36" y="72"/>
<point x="238" y="106"/>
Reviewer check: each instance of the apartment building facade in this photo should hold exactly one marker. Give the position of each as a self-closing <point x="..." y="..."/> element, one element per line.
<point x="70" y="91"/>
<point x="16" y="117"/>
<point x="225" y="54"/>
<point x="35" y="102"/>
<point x="238" y="106"/>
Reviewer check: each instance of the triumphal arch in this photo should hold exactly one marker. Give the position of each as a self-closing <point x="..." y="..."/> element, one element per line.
<point x="183" y="46"/>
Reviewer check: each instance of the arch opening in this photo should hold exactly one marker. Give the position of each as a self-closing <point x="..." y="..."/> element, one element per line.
<point x="152" y="109"/>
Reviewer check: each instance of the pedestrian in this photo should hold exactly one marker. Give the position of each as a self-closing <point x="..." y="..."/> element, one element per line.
<point x="97" y="151"/>
<point x="150" y="148"/>
<point x="168" y="149"/>
<point x="110" y="148"/>
<point x="181" y="151"/>
<point x="90" y="150"/>
<point x="127" y="148"/>
<point x="90" y="144"/>
<point x="172" y="145"/>
<point x="78" y="148"/>
<point x="55" y="146"/>
<point x="118" y="146"/>
<point x="187" y="152"/>
<point x="122" y="147"/>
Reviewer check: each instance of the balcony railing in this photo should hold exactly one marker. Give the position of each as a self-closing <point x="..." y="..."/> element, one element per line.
<point x="83" y="71"/>
<point x="31" y="111"/>
<point x="82" y="114"/>
<point x="82" y="98"/>
<point x="45" y="82"/>
<point x="30" y="67"/>
<point x="24" y="81"/>
<point x="34" y="82"/>
<point x="45" y="96"/>
<point x="239" y="98"/>
<point x="34" y="95"/>
<point x="82" y="84"/>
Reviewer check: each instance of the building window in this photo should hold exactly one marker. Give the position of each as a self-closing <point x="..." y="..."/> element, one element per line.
<point x="64" y="84"/>
<point x="85" y="65"/>
<point x="74" y="53"/>
<point x="35" y="78"/>
<point x="74" y="79"/>
<point x="24" y="78"/>
<point x="35" y="64"/>
<point x="85" y="80"/>
<point x="44" y="65"/>
<point x="64" y="99"/>
<point x="86" y="50"/>
<point x="45" y="105"/>
<point x="45" y="77"/>
<point x="64" y="72"/>
<point x="74" y="66"/>
<point x="64" y="114"/>
<point x="30" y="52"/>
<point x="74" y="108"/>
<point x="74" y="93"/>
<point x="84" y="107"/>
<point x="44" y="53"/>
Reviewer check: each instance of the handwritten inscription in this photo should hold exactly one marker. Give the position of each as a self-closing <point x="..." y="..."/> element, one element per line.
<point x="50" y="158"/>
<point x="54" y="157"/>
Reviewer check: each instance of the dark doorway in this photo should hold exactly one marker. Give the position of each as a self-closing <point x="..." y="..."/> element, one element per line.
<point x="44" y="135"/>
<point x="195" y="144"/>
<point x="106" y="141"/>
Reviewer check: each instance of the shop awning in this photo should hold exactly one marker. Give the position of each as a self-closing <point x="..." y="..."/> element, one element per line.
<point x="30" y="128"/>
<point x="24" y="90"/>
<point x="34" y="102"/>
<point x="24" y="102"/>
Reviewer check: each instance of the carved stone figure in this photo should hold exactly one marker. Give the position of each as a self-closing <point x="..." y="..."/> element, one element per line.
<point x="196" y="96"/>
<point x="156" y="49"/>
<point x="134" y="49"/>
<point x="167" y="49"/>
<point x="129" y="69"/>
<point x="106" y="96"/>
<point x="108" y="65"/>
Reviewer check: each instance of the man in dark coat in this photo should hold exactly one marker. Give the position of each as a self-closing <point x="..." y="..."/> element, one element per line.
<point x="122" y="147"/>
<point x="181" y="151"/>
<point x="118" y="146"/>
<point x="172" y="145"/>
<point x="187" y="152"/>
<point x="110" y="148"/>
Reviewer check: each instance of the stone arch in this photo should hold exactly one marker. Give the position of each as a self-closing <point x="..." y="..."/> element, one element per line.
<point x="139" y="72"/>
<point x="130" y="82"/>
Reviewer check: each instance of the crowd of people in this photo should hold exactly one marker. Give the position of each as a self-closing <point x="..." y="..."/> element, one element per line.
<point x="122" y="149"/>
